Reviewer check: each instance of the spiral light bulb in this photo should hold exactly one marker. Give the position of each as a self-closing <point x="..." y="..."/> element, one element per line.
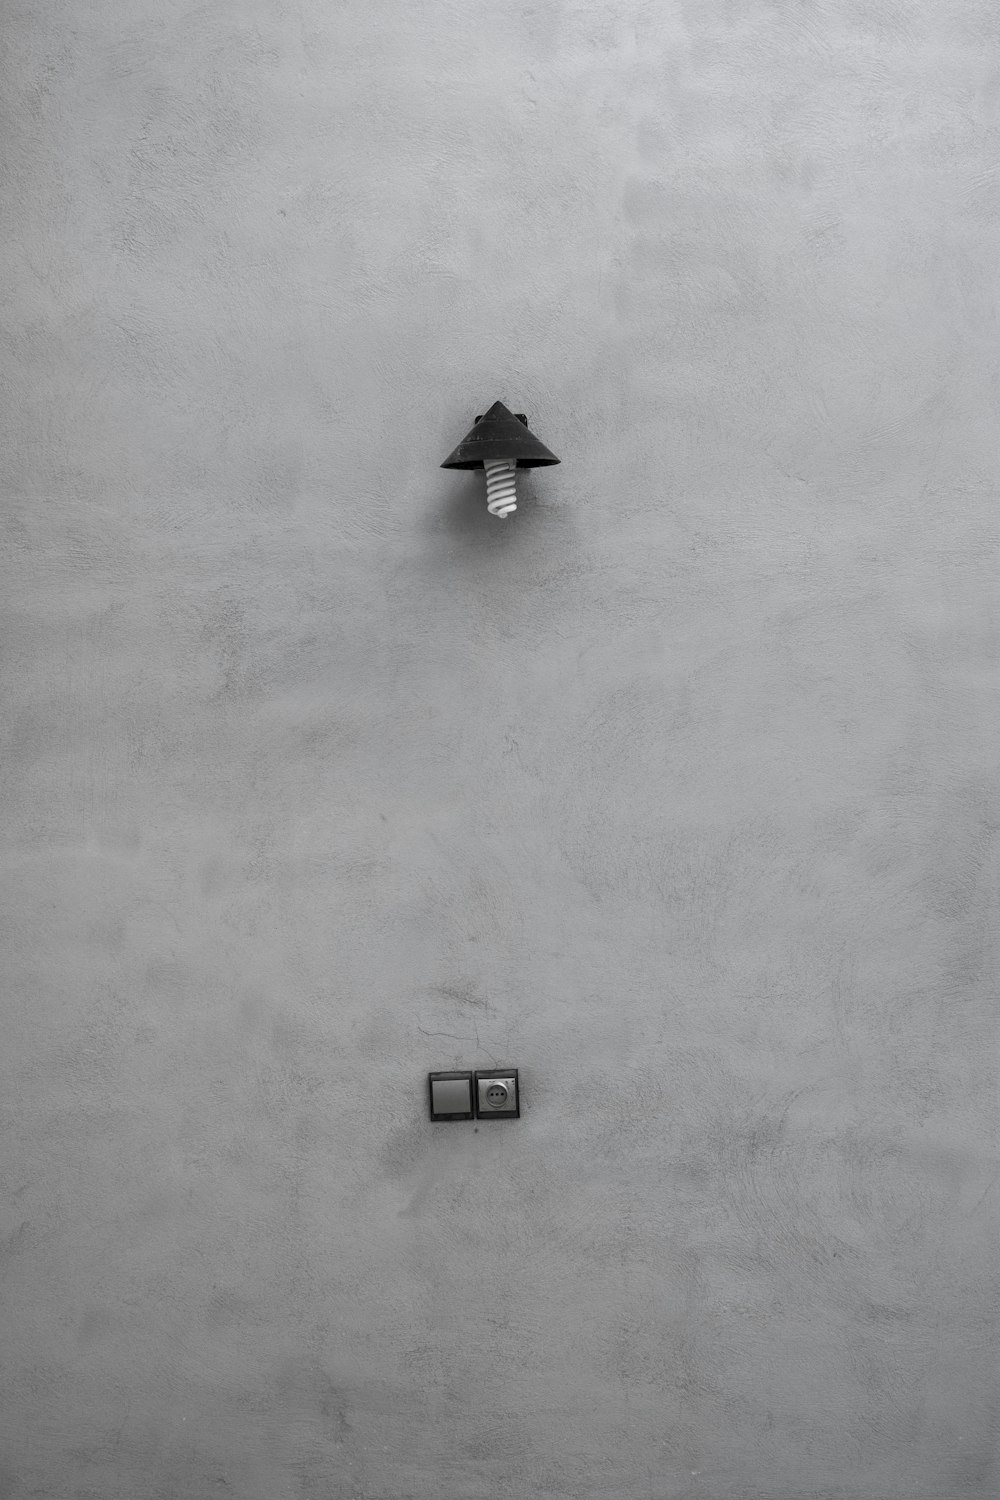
<point x="501" y="496"/>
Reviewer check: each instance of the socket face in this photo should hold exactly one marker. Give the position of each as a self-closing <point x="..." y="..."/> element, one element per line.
<point x="451" y="1096"/>
<point x="497" y="1095"/>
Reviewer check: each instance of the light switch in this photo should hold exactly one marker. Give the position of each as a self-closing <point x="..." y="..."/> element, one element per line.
<point x="451" y="1096"/>
<point x="497" y="1095"/>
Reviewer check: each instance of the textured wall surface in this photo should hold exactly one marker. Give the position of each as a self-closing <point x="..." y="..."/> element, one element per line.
<point x="676" y="791"/>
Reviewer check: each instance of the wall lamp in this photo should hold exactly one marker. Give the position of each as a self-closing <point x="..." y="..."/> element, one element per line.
<point x="500" y="443"/>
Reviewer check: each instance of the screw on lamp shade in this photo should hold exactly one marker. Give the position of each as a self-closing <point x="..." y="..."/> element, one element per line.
<point x="500" y="442"/>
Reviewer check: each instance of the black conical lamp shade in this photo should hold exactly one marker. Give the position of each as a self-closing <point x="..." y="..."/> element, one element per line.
<point x="499" y="434"/>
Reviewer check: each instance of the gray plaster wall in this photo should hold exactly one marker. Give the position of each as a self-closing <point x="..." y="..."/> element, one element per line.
<point x="675" y="791"/>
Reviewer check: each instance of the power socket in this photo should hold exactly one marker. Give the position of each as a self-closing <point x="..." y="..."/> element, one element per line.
<point x="497" y="1094"/>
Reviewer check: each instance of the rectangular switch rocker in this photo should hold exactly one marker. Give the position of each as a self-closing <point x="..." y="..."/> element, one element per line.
<point x="451" y="1096"/>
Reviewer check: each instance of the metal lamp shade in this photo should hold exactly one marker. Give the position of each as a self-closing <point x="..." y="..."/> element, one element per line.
<point x="500" y="434"/>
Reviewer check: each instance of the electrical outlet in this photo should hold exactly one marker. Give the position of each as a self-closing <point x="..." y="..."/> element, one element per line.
<point x="497" y="1095"/>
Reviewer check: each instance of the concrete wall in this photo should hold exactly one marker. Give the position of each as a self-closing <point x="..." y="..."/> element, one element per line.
<point x="675" y="791"/>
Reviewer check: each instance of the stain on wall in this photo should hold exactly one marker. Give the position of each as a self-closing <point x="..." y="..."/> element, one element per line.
<point x="677" y="791"/>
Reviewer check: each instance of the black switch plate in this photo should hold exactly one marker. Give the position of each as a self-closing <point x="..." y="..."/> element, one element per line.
<point x="450" y="1096"/>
